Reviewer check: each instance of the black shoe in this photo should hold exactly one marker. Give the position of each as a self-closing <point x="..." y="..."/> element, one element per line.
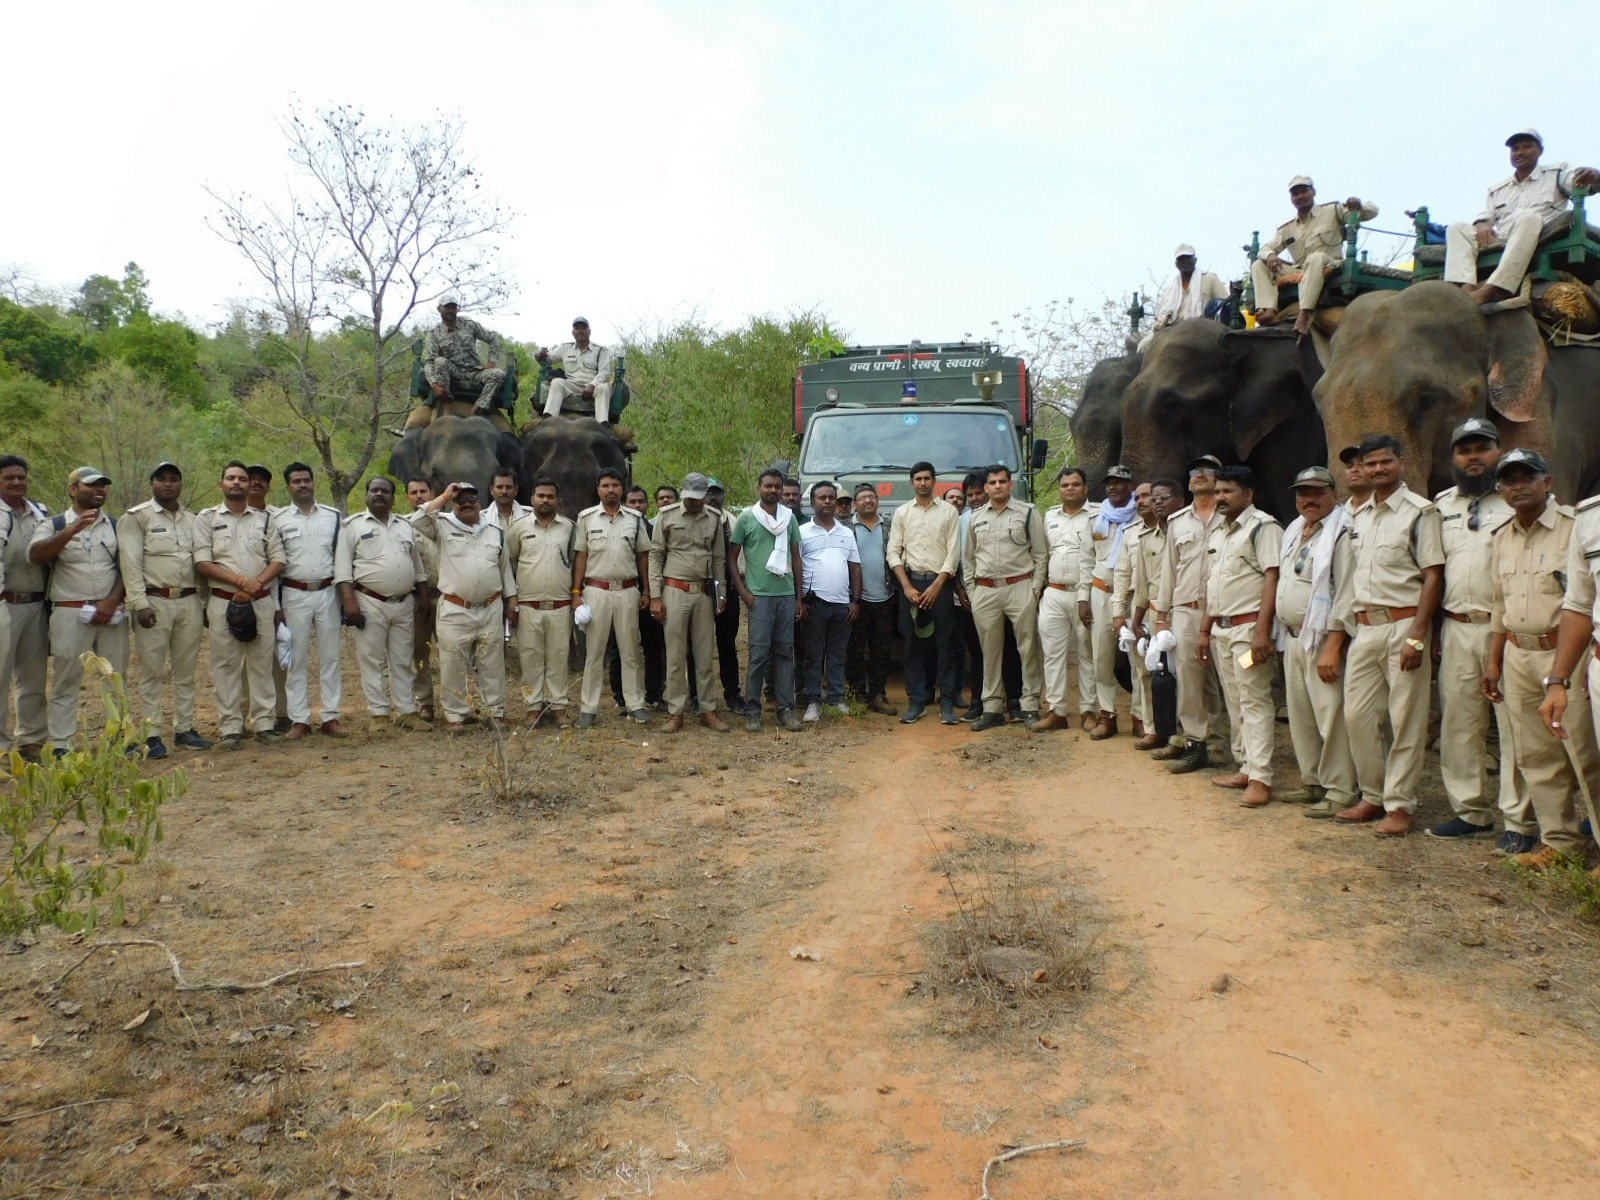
<point x="988" y="721"/>
<point x="1194" y="758"/>
<point x="973" y="713"/>
<point x="154" y="748"/>
<point x="282" y="725"/>
<point x="947" y="713"/>
<point x="914" y="713"/>
<point x="231" y="741"/>
<point x="1515" y="843"/>
<point x="1014" y="712"/>
<point x="190" y="740"/>
<point x="59" y="752"/>
<point x="1457" y="829"/>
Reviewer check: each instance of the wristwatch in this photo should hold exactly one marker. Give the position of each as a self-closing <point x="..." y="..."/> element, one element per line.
<point x="1550" y="681"/>
<point x="1417" y="644"/>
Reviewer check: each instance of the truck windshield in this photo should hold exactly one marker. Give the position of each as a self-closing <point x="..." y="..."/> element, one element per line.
<point x="853" y="440"/>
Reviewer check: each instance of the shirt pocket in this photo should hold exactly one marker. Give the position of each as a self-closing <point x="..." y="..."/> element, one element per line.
<point x="159" y="543"/>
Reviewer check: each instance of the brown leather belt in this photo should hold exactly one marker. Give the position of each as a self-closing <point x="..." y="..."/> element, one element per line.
<point x="302" y="586"/>
<point x="544" y="605"/>
<point x="73" y="603"/>
<point x="366" y="591"/>
<point x="1186" y="603"/>
<point x="460" y="603"/>
<point x="1533" y="641"/>
<point x="1384" y="616"/>
<point x="684" y="585"/>
<point x="21" y="597"/>
<point x="1104" y="587"/>
<point x="1006" y="582"/>
<point x="606" y="585"/>
<point x="241" y="597"/>
<point x="1230" y="622"/>
<point x="1063" y="587"/>
<point x="1465" y="618"/>
<point x="170" y="593"/>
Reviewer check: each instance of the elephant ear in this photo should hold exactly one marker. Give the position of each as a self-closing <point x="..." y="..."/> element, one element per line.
<point x="1515" y="362"/>
<point x="1266" y="384"/>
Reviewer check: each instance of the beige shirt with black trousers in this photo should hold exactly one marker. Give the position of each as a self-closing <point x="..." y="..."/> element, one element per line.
<point x="1241" y="591"/>
<point x="540" y="555"/>
<point x="475" y="588"/>
<point x="1005" y="564"/>
<point x="163" y="595"/>
<point x="243" y="547"/>
<point x="379" y="571"/>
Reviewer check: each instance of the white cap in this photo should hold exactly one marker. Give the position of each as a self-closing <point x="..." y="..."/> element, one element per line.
<point x="1301" y="181"/>
<point x="1183" y="248"/>
<point x="1526" y="133"/>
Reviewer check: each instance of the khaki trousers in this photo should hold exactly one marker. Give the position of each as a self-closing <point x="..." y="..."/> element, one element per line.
<point x="991" y="609"/>
<point x="69" y="638"/>
<point x="1313" y="271"/>
<point x="1375" y="689"/>
<point x="474" y="636"/>
<point x="616" y="611"/>
<point x="6" y="652"/>
<point x="544" y="638"/>
<point x="1060" y="632"/>
<point x="1248" y="694"/>
<point x="1586" y="756"/>
<point x="1553" y="771"/>
<point x="1200" y="708"/>
<point x="1140" y="704"/>
<point x="383" y="650"/>
<point x="241" y="672"/>
<point x="26" y="666"/>
<point x="1464" y="717"/>
<point x="172" y="642"/>
<point x="563" y="389"/>
<point x="1520" y="237"/>
<point x="423" y="637"/>
<point x="691" y="621"/>
<point x="1104" y="641"/>
<point x="1316" y="727"/>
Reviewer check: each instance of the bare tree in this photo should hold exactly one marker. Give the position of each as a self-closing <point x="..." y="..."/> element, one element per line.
<point x="1062" y="344"/>
<point x="379" y="223"/>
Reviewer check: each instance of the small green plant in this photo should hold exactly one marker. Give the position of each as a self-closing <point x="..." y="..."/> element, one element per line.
<point x="98" y="787"/>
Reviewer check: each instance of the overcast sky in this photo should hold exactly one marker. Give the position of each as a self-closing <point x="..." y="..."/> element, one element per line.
<point x="911" y="169"/>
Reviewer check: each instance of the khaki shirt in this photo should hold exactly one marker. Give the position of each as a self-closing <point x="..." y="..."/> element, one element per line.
<point x="926" y="541"/>
<point x="1583" y="562"/>
<point x="86" y="568"/>
<point x="613" y="543"/>
<point x="693" y="549"/>
<point x="461" y="346"/>
<point x="19" y="573"/>
<point x="1321" y="229"/>
<point x="381" y="556"/>
<point x="472" y="558"/>
<point x="309" y="541"/>
<point x="1183" y="574"/>
<point x="5" y="541"/>
<point x="1005" y="542"/>
<point x="1295" y="563"/>
<point x="427" y="549"/>
<point x="1530" y="572"/>
<point x="157" y="550"/>
<point x="1069" y="538"/>
<point x="1242" y="551"/>
<point x="541" y="556"/>
<point x="1468" y="576"/>
<point x="242" y="546"/>
<point x="491" y="514"/>
<point x="1545" y="191"/>
<point x="1093" y="566"/>
<point x="1390" y="545"/>
<point x="1138" y="566"/>
<point x="583" y="367"/>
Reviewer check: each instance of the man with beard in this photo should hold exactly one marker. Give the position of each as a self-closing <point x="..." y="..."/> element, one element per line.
<point x="1469" y="515"/>
<point x="1121" y="607"/>
<point x="80" y="547"/>
<point x="1108" y="534"/>
<point x="23" y="599"/>
<point x="540" y="554"/>
<point x="418" y="492"/>
<point x="1133" y="585"/>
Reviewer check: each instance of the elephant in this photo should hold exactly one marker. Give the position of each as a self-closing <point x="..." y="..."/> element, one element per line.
<point x="1416" y="363"/>
<point x="571" y="450"/>
<point x="1241" y="395"/>
<point x="1097" y="421"/>
<point x="456" y="449"/>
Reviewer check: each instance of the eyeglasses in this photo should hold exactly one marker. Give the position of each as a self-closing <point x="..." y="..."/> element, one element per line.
<point x="1474" y="522"/>
<point x="1301" y="559"/>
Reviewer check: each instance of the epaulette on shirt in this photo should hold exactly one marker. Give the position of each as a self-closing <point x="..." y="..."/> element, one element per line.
<point x="1586" y="505"/>
<point x="1416" y="501"/>
<point x="1565" y="510"/>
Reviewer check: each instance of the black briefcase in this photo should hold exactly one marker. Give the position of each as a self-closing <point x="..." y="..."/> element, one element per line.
<point x="1164" y="699"/>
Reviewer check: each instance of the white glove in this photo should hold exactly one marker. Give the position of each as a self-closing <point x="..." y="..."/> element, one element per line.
<point x="1125" y="639"/>
<point x="1159" y="644"/>
<point x="1143" y="647"/>
<point x="283" y="642"/>
<point x="582" y="615"/>
<point x="86" y="613"/>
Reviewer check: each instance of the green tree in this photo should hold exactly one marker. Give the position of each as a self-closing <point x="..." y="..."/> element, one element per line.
<point x="105" y="303"/>
<point x="42" y="343"/>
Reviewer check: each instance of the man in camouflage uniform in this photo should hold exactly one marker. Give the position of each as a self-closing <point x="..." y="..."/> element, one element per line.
<point x="451" y="365"/>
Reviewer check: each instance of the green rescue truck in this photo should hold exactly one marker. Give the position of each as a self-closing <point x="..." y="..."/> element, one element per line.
<point x="867" y="414"/>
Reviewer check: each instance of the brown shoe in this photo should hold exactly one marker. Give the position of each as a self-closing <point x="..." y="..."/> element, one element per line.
<point x="1105" y="728"/>
<point x="1396" y="824"/>
<point x="1541" y="859"/>
<point x="879" y="705"/>
<point x="1088" y="720"/>
<point x="711" y="721"/>
<point x="296" y="732"/>
<point x="31" y="751"/>
<point x="562" y="720"/>
<point x="1359" y="813"/>
<point x="1048" y="723"/>
<point x="533" y="718"/>
<point x="1237" y="781"/>
<point x="674" y="723"/>
<point x="1257" y="795"/>
<point x="1167" y="753"/>
<point x="456" y="727"/>
<point x="1138" y="728"/>
<point x="426" y="712"/>
<point x="1148" y="742"/>
<point x="333" y="729"/>
<point x="412" y="723"/>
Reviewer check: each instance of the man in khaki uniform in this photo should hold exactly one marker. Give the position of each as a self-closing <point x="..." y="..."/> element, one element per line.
<point x="1005" y="563"/>
<point x="1311" y="245"/>
<point x="1469" y="515"/>
<point x="1109" y="537"/>
<point x="1531" y="552"/>
<point x="382" y="583"/>
<point x="157" y="541"/>
<point x="1236" y="628"/>
<point x="7" y="525"/>
<point x="80" y="547"/>
<point x="1314" y="557"/>
<point x="539" y="553"/>
<point x="688" y="587"/>
<point x="1136" y="585"/>
<point x="26" y="660"/>
<point x="476" y="589"/>
<point x="240" y="552"/>
<point x="588" y="367"/>
<point x="1122" y="630"/>
<point x="1180" y="594"/>
<point x="1061" y="627"/>
<point x="418" y="492"/>
<point x="612" y="560"/>
<point x="1388" y="598"/>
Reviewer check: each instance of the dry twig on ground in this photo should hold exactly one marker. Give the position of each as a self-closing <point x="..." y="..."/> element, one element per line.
<point x="183" y="985"/>
<point x="1068" y="1144"/>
